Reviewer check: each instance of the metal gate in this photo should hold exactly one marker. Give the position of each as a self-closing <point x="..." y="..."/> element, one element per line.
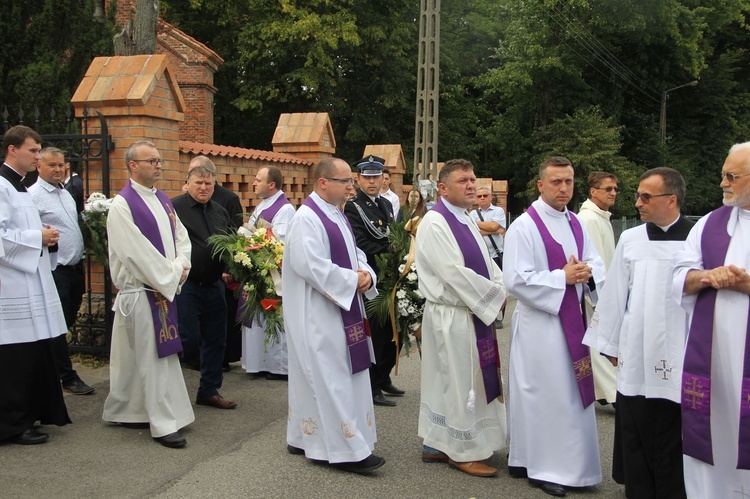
<point x="93" y="328"/>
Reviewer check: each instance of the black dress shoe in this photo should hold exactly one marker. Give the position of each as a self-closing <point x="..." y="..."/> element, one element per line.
<point x="553" y="489"/>
<point x="381" y="400"/>
<point x="173" y="440"/>
<point x="295" y="450"/>
<point x="517" y="472"/>
<point x="136" y="426"/>
<point x="392" y="390"/>
<point x="370" y="463"/>
<point x="30" y="437"/>
<point x="275" y="377"/>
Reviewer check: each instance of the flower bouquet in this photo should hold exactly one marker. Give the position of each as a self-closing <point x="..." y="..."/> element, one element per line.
<point x="400" y="300"/>
<point x="254" y="260"/>
<point x="94" y="227"/>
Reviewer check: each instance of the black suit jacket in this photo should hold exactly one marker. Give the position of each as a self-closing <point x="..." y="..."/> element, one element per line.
<point x="230" y="202"/>
<point x="380" y="216"/>
<point x="75" y="188"/>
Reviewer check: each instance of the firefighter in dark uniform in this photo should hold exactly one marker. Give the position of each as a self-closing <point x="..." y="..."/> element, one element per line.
<point x="370" y="215"/>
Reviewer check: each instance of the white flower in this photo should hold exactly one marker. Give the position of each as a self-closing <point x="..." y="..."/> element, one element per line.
<point x="400" y="293"/>
<point x="401" y="268"/>
<point x="411" y="276"/>
<point x="417" y="293"/>
<point x="410" y="310"/>
<point x="413" y="267"/>
<point x="414" y="326"/>
<point x="96" y="196"/>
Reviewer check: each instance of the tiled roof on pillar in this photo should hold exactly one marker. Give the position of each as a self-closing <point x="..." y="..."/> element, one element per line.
<point x="304" y="129"/>
<point x="130" y="82"/>
<point x="393" y="154"/>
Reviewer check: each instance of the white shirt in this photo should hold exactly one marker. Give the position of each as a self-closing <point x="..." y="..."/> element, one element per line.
<point x="57" y="208"/>
<point x="395" y="201"/>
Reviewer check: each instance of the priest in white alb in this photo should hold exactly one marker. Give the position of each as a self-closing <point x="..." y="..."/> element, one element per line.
<point x="331" y="416"/>
<point x="31" y="316"/>
<point x="149" y="259"/>
<point x="549" y="265"/>
<point x="258" y="354"/>
<point x="595" y="217"/>
<point x="641" y="329"/>
<point x="461" y="415"/>
<point x="712" y="283"/>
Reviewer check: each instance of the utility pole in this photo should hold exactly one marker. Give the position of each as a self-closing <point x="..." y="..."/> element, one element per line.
<point x="428" y="86"/>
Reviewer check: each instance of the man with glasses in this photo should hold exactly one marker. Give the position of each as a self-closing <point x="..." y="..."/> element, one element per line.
<point x="331" y="416"/>
<point x="594" y="215"/>
<point x="370" y="215"/>
<point x="642" y="330"/>
<point x="491" y="222"/>
<point x="149" y="260"/>
<point x="712" y="283"/>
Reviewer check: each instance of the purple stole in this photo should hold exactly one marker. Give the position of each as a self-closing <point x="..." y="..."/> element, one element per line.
<point x="696" y="373"/>
<point x="489" y="358"/>
<point x="163" y="311"/>
<point x="272" y="210"/>
<point x="572" y="313"/>
<point x="356" y="327"/>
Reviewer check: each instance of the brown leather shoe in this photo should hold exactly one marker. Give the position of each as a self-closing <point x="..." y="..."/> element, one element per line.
<point x="476" y="468"/>
<point x="216" y="401"/>
<point x="434" y="458"/>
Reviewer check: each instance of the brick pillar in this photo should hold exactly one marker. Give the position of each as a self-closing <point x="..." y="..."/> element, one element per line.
<point x="140" y="99"/>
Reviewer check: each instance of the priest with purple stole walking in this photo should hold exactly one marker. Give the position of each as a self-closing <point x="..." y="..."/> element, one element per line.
<point x="712" y="283"/>
<point x="258" y="356"/>
<point x="331" y="416"/>
<point x="550" y="265"/>
<point x="461" y="414"/>
<point x="149" y="259"/>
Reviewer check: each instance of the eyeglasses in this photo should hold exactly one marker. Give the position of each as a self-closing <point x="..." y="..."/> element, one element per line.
<point x="608" y="189"/>
<point x="345" y="181"/>
<point x="482" y="196"/>
<point x="647" y="197"/>
<point x="152" y="161"/>
<point x="731" y="177"/>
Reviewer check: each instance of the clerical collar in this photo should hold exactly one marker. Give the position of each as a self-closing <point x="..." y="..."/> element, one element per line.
<point x="142" y="189"/>
<point x="549" y="210"/>
<point x="459" y="213"/>
<point x="665" y="228"/>
<point x="12" y="176"/>
<point x="272" y="197"/>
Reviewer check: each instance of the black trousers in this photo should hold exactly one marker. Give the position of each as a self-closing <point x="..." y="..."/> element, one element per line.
<point x="233" y="352"/>
<point x="385" y="355"/>
<point x="30" y="388"/>
<point x="647" y="455"/>
<point x="70" y="282"/>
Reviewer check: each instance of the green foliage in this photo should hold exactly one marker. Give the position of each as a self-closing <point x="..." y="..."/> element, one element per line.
<point x="47" y="47"/>
<point x="254" y="260"/>
<point x="398" y="295"/>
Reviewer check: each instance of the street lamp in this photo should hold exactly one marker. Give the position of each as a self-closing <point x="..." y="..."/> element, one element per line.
<point x="664" y="97"/>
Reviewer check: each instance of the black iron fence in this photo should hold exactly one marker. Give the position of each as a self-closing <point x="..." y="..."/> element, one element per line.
<point x="89" y="151"/>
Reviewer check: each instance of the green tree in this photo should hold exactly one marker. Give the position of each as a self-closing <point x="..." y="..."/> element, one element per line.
<point x="47" y="47"/>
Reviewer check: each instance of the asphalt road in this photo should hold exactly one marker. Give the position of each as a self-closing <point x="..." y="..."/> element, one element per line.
<point x="242" y="453"/>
